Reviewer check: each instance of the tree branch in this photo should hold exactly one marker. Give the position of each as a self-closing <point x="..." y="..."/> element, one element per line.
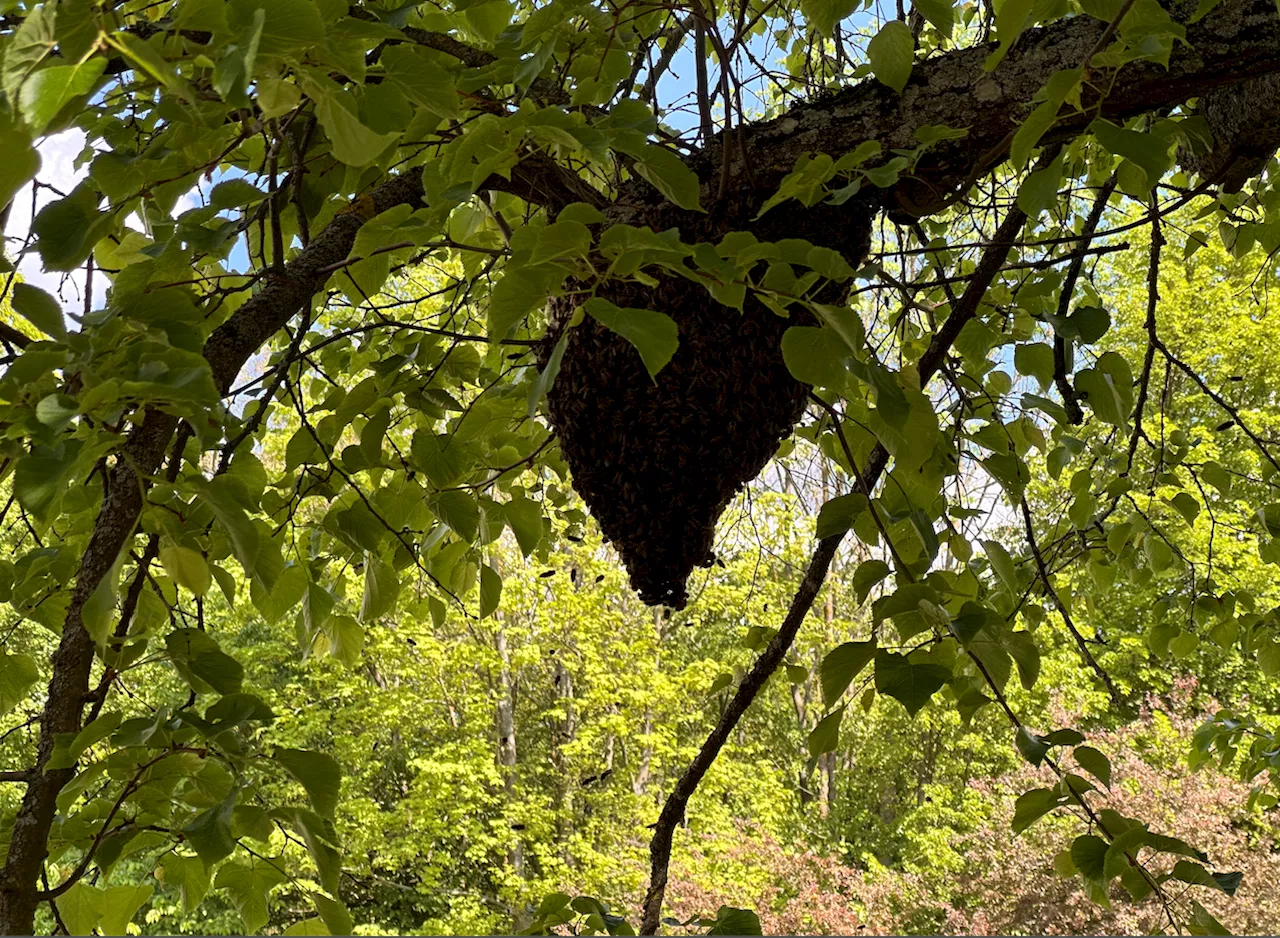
<point x="673" y="809"/>
<point x="1240" y="39"/>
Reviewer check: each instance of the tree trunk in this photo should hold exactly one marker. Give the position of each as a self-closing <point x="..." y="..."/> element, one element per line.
<point x="508" y="757"/>
<point x="563" y="730"/>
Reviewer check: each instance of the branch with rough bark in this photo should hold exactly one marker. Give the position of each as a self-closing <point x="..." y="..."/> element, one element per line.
<point x="1239" y="40"/>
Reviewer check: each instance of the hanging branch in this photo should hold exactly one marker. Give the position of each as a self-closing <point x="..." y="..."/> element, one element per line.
<point x="673" y="809"/>
<point x="1116" y="700"/>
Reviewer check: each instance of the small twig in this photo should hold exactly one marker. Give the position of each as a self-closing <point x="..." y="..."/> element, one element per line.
<point x="1217" y="399"/>
<point x="83" y="866"/>
<point x="1081" y="644"/>
<point x="255" y="419"/>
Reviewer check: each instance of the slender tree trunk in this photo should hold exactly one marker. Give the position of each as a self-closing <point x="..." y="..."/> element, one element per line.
<point x="508" y="756"/>
<point x="640" y="781"/>
<point x="563" y="730"/>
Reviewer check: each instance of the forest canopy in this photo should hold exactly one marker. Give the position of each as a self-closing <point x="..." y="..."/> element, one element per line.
<point x="621" y="467"/>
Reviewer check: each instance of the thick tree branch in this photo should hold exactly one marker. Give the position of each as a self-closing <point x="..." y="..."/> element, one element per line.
<point x="1239" y="40"/>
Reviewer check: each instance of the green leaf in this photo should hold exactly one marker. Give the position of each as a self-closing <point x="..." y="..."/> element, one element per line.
<point x="346" y="639"/>
<point x="868" y="574"/>
<point x="539" y="387"/>
<point x="277" y="97"/>
<point x="815" y="356"/>
<point x="32" y="41"/>
<point x="832" y="265"/>
<point x="524" y="516"/>
<point x="210" y="835"/>
<point x="120" y="904"/>
<point x="49" y="90"/>
<point x="1091" y="323"/>
<point x="941" y="13"/>
<point x="1066" y="737"/>
<point x="247" y="886"/>
<point x="81" y="908"/>
<point x="1108" y="388"/>
<point x="840" y="666"/>
<point x="1203" y="923"/>
<point x="1033" y="748"/>
<point x="909" y="682"/>
<point x="234" y="709"/>
<point x="1186" y="505"/>
<point x="460" y="511"/>
<point x="442" y="456"/>
<point x="277" y="598"/>
<point x="42" y="476"/>
<point x="318" y="773"/>
<point x="17" y="675"/>
<point x="670" y="176"/>
<point x="98" y="612"/>
<point x="823" y="15"/>
<point x="1197" y="875"/>
<point x="188" y="568"/>
<point x="56" y="411"/>
<point x="204" y="665"/>
<point x="559" y="240"/>
<point x="308" y="926"/>
<point x="220" y="495"/>
<point x="421" y="80"/>
<point x="1146" y="150"/>
<point x="21" y="162"/>
<point x="826" y="735"/>
<point x="1026" y="655"/>
<point x="334" y="914"/>
<point x="189" y="875"/>
<point x="838" y="514"/>
<point x="891" y="53"/>
<point x="1089" y="854"/>
<point x="846" y="323"/>
<point x="654" y="335"/>
<point x="321" y="839"/>
<point x="731" y="921"/>
<point x="490" y="590"/>
<point x="1040" y="189"/>
<point x="1012" y="17"/>
<point x="513" y="298"/>
<point x="40" y="309"/>
<point x="1033" y="805"/>
<point x="353" y="142"/>
<point x="381" y="588"/>
<point x="1036" y="361"/>
<point x="1010" y="471"/>
<point x="67" y="229"/>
